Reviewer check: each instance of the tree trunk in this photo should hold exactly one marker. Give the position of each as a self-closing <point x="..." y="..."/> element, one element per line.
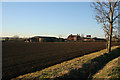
<point x="111" y="26"/>
<point x="110" y="39"/>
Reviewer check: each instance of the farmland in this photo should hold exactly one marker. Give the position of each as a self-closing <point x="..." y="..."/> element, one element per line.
<point x="21" y="58"/>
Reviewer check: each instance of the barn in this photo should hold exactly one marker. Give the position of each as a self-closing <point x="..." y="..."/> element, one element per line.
<point x="41" y="39"/>
<point x="73" y="37"/>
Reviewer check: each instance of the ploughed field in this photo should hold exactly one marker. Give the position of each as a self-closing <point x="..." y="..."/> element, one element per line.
<point x="21" y="58"/>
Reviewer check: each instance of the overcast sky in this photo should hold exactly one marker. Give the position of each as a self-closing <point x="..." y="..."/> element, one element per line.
<point x="49" y="18"/>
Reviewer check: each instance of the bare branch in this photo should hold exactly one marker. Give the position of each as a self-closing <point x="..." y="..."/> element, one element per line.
<point x="116" y="17"/>
<point x="106" y="13"/>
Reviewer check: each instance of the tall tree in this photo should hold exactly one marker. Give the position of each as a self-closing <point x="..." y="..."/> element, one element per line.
<point x="107" y="14"/>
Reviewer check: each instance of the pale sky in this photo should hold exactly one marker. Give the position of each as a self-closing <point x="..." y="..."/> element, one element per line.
<point x="49" y="18"/>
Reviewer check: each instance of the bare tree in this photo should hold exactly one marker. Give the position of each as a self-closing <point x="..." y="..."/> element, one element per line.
<point x="15" y="37"/>
<point x="82" y="35"/>
<point x="107" y="30"/>
<point x="60" y="36"/>
<point x="107" y="14"/>
<point x="6" y="38"/>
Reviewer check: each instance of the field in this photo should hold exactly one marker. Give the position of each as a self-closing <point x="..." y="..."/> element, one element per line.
<point x="81" y="67"/>
<point x="21" y="58"/>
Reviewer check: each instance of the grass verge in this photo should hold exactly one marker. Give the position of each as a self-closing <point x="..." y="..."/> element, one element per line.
<point x="80" y="67"/>
<point x="111" y="70"/>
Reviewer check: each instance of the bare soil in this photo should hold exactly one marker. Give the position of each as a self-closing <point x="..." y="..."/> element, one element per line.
<point x="20" y="58"/>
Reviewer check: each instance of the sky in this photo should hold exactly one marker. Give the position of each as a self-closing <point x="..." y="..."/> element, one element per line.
<point x="55" y="19"/>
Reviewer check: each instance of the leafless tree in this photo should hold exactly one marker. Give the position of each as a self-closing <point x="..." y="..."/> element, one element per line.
<point x="60" y="36"/>
<point x="15" y="37"/>
<point x="107" y="14"/>
<point x="107" y="30"/>
<point x="82" y="35"/>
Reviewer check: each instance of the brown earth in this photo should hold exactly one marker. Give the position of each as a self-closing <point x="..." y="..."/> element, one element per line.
<point x="21" y="58"/>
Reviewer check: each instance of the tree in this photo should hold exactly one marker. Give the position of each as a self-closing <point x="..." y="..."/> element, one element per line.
<point x="107" y="14"/>
<point x="6" y="38"/>
<point x="15" y="37"/>
<point x="82" y="35"/>
<point x="60" y="36"/>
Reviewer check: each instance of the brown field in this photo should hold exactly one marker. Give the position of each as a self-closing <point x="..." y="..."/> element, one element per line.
<point x="22" y="58"/>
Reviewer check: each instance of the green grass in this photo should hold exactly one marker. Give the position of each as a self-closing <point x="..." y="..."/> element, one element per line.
<point x="70" y="68"/>
<point x="111" y="70"/>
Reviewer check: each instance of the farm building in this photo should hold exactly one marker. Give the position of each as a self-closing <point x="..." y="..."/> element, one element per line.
<point x="61" y="40"/>
<point x="99" y="39"/>
<point x="95" y="39"/>
<point x="88" y="36"/>
<point x="87" y="39"/>
<point x="115" y="39"/>
<point x="41" y="39"/>
<point x="73" y="37"/>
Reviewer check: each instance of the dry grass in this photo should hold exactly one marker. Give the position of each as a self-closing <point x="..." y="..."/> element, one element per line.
<point x="111" y="70"/>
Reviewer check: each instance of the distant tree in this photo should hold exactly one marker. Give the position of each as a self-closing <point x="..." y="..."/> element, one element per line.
<point x="60" y="36"/>
<point x="15" y="37"/>
<point x="82" y="35"/>
<point x="107" y="14"/>
<point x="6" y="38"/>
<point x="60" y="39"/>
